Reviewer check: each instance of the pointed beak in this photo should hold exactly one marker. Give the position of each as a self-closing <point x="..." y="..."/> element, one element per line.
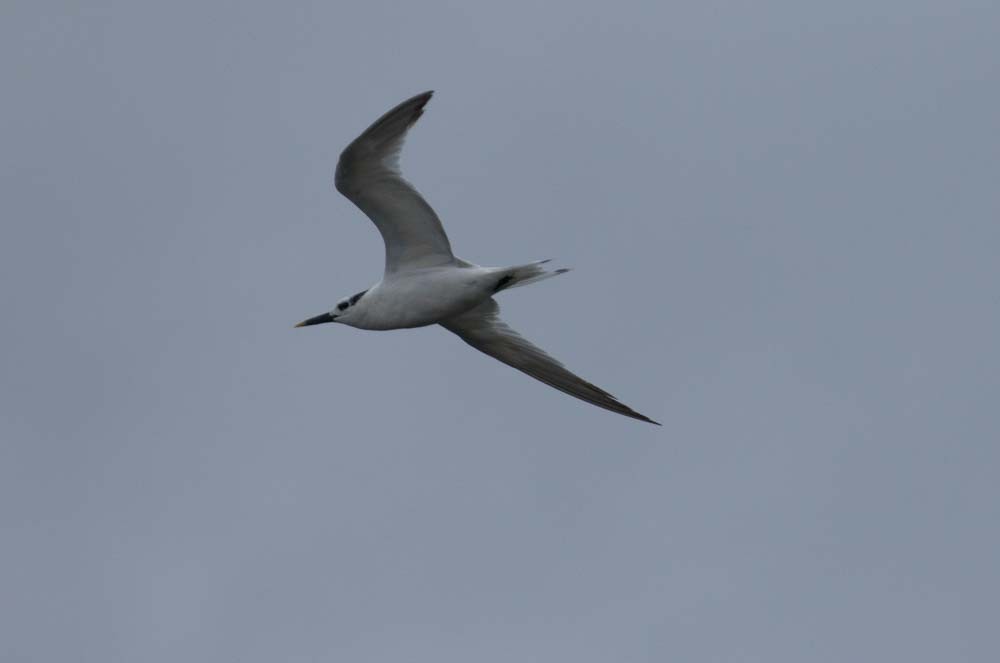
<point x="318" y="320"/>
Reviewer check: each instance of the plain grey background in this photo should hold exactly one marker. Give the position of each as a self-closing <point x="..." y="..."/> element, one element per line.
<point x="783" y="219"/>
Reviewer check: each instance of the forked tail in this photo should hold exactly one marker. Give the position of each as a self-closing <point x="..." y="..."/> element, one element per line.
<point x="525" y="274"/>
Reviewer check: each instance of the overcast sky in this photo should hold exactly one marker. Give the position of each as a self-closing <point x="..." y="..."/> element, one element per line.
<point x="783" y="223"/>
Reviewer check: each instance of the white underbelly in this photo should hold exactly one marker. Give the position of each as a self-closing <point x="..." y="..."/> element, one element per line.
<point x="425" y="298"/>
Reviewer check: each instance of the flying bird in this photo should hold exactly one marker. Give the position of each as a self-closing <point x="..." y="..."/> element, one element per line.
<point x="424" y="283"/>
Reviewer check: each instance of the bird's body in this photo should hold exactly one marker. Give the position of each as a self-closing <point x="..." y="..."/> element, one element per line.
<point x="421" y="297"/>
<point x="423" y="282"/>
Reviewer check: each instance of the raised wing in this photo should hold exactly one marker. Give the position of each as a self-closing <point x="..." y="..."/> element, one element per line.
<point x="483" y="329"/>
<point x="368" y="174"/>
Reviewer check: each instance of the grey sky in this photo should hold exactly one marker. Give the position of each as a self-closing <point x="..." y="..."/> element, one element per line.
<point x="783" y="219"/>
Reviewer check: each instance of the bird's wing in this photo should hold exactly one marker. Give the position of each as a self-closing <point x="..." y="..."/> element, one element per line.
<point x="483" y="329"/>
<point x="368" y="174"/>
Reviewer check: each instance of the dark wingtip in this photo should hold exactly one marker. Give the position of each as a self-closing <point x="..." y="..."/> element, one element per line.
<point x="422" y="99"/>
<point x="641" y="417"/>
<point x="418" y="101"/>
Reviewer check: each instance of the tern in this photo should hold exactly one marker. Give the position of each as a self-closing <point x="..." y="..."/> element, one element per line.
<point x="424" y="283"/>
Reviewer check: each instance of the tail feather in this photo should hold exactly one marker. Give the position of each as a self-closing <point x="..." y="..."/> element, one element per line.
<point x="533" y="272"/>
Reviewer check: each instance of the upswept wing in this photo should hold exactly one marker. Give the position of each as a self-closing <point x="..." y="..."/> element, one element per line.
<point x="483" y="329"/>
<point x="368" y="174"/>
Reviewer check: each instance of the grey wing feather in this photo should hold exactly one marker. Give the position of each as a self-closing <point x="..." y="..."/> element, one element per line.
<point x="483" y="329"/>
<point x="368" y="174"/>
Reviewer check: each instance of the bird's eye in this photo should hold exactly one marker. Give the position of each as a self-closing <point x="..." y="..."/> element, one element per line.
<point x="341" y="306"/>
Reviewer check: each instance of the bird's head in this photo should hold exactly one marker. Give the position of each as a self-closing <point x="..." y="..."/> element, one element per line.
<point x="340" y="313"/>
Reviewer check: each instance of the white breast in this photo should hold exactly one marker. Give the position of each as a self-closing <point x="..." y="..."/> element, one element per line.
<point x="422" y="297"/>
